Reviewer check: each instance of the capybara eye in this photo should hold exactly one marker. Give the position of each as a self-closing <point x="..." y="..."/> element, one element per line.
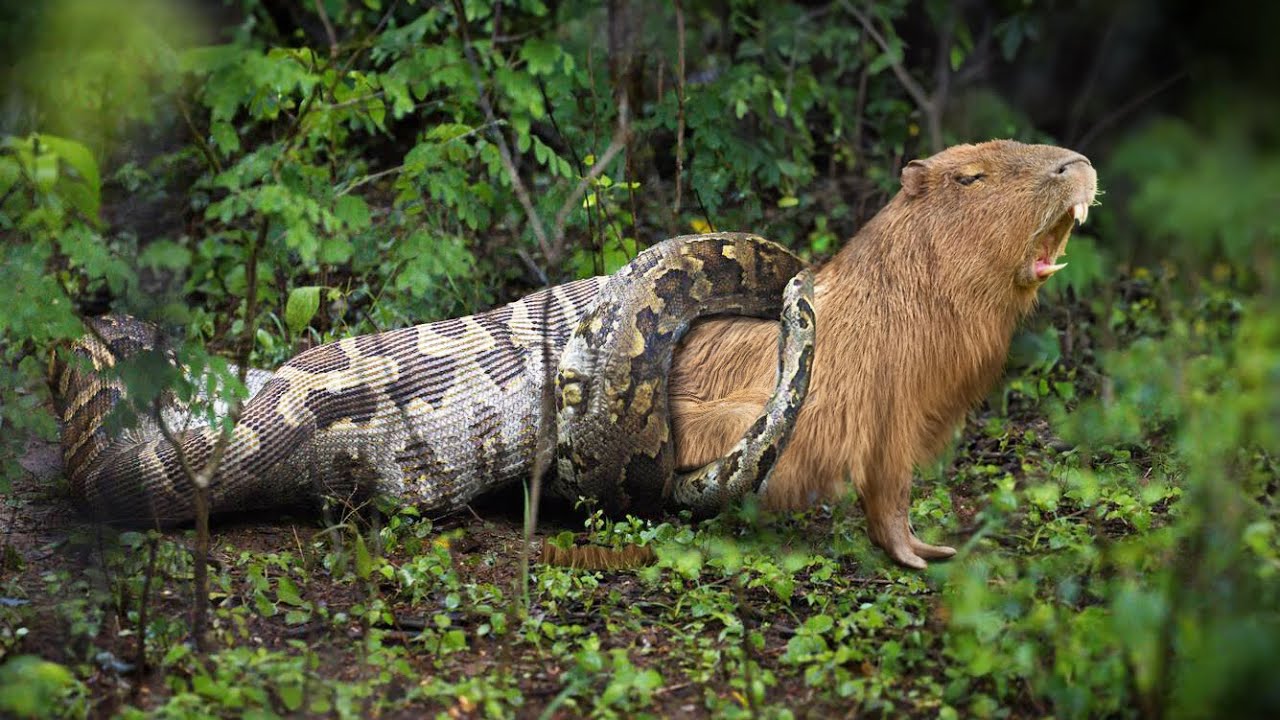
<point x="970" y="179"/>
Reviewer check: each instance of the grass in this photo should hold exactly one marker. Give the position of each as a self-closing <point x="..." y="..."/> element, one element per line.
<point x="747" y="615"/>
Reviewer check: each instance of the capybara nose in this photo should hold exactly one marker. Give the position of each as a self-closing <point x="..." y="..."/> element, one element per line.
<point x="1072" y="160"/>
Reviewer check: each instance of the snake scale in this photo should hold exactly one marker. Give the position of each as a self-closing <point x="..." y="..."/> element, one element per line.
<point x="439" y="413"/>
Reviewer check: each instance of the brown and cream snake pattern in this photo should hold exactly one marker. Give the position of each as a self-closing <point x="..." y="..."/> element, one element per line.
<point x="439" y="413"/>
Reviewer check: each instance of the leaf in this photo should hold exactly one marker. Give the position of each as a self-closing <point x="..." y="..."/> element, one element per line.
<point x="540" y="55"/>
<point x="9" y="174"/>
<point x="78" y="157"/>
<point x="30" y="686"/>
<point x="819" y="624"/>
<point x="1030" y="349"/>
<point x="45" y="171"/>
<point x="165" y="254"/>
<point x="290" y="695"/>
<point x="1086" y="266"/>
<point x="364" y="563"/>
<point x="288" y="592"/>
<point x="301" y="306"/>
<point x="353" y="212"/>
<point x="224" y="136"/>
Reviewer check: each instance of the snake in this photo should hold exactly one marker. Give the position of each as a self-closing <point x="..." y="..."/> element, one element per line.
<point x="440" y="413"/>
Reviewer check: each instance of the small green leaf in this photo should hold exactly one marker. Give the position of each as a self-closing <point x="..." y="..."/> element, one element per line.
<point x="301" y="306"/>
<point x="353" y="212"/>
<point x="779" y="104"/>
<point x="78" y="157"/>
<point x="288" y="592"/>
<point x="9" y="174"/>
<point x="290" y="695"/>
<point x="819" y="624"/>
<point x="165" y="254"/>
<point x="364" y="563"/>
<point x="540" y="55"/>
<point x="46" y="171"/>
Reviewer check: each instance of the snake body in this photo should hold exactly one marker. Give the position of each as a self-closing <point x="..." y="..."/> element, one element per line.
<point x="439" y="413"/>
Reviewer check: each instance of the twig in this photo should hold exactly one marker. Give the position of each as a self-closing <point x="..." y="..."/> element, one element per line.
<point x="616" y="145"/>
<point x="533" y="267"/>
<point x="1129" y="107"/>
<point x="153" y="545"/>
<point x="913" y="88"/>
<point x="343" y="190"/>
<point x="201" y="479"/>
<point x="680" y="78"/>
<point x="1082" y="99"/>
<point x="941" y="78"/>
<point x="504" y="151"/>
<point x="293" y="135"/>
<point x="205" y="150"/>
<point x="328" y="28"/>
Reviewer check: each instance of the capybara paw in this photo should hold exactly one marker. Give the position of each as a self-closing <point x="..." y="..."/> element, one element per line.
<point x="931" y="552"/>
<point x="904" y="555"/>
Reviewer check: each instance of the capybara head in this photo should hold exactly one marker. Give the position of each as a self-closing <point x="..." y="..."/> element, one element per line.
<point x="1001" y="210"/>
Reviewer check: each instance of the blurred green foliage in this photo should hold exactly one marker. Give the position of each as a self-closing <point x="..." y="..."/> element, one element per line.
<point x="344" y="148"/>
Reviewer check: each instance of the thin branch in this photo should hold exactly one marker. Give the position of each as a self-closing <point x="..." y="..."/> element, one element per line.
<point x="909" y="83"/>
<point x="616" y="146"/>
<point x="504" y="150"/>
<point x="1082" y="99"/>
<point x="345" y="189"/>
<point x="153" y="543"/>
<point x="926" y="104"/>
<point x="680" y="79"/>
<point x="205" y="150"/>
<point x="328" y="28"/>
<point x="293" y="135"/>
<point x="367" y="179"/>
<point x="941" y="78"/>
<point x="1129" y="107"/>
<point x="533" y="267"/>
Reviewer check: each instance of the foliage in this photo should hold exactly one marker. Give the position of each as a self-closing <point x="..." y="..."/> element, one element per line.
<point x="297" y="172"/>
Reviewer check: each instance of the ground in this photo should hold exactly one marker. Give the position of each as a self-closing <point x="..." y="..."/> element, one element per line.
<point x="391" y="615"/>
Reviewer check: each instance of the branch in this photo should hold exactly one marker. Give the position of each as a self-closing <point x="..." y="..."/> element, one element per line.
<point x="205" y="150"/>
<point x="1129" y="107"/>
<point x="504" y="151"/>
<point x="913" y="88"/>
<point x="293" y="135"/>
<point x="909" y="83"/>
<point x="680" y="73"/>
<point x="328" y="28"/>
<point x="941" y="78"/>
<point x="617" y="145"/>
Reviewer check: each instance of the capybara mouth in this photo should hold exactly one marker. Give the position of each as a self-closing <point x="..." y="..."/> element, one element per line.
<point x="1052" y="243"/>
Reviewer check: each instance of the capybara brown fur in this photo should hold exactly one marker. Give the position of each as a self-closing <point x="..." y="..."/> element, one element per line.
<point x="915" y="315"/>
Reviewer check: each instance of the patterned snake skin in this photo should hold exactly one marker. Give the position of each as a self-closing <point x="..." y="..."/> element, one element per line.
<point x="439" y="413"/>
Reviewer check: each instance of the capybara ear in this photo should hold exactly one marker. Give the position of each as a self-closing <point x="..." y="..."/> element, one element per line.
<point x="915" y="178"/>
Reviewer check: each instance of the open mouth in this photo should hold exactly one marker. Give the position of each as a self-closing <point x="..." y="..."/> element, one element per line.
<point x="1052" y="243"/>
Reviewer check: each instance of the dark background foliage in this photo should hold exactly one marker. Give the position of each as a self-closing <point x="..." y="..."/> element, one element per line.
<point x="263" y="175"/>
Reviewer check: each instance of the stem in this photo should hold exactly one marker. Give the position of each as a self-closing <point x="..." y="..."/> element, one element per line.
<point x="928" y="107"/>
<point x="617" y="145"/>
<point x="153" y="546"/>
<point x="204" y="477"/>
<point x="680" y="73"/>
<point x="328" y="28"/>
<point x="504" y="150"/>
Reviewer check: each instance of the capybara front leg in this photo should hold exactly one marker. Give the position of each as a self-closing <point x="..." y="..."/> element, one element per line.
<point x="886" y="499"/>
